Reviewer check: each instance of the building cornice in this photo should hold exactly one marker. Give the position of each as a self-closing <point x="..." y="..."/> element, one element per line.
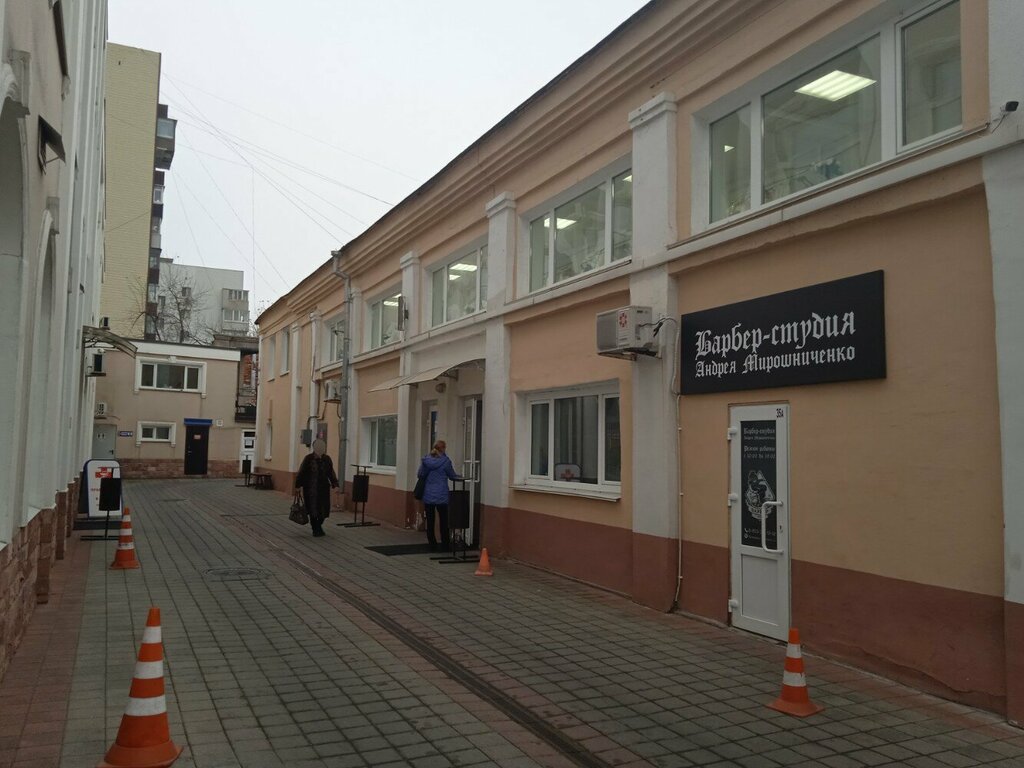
<point x="555" y="113"/>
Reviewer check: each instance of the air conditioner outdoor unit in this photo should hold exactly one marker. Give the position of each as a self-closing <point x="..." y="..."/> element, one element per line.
<point x="626" y="333"/>
<point x="101" y="409"/>
<point x="332" y="391"/>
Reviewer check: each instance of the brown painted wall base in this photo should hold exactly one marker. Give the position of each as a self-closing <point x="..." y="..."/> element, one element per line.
<point x="941" y="640"/>
<point x="164" y="469"/>
<point x="705" y="587"/>
<point x="25" y="569"/>
<point x="1013" y="625"/>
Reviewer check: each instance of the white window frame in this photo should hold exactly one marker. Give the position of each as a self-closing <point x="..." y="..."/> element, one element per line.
<point x="331" y="354"/>
<point x="285" y="348"/>
<point x="368" y="447"/>
<point x="378" y="301"/>
<point x="243" y="316"/>
<point x="201" y="366"/>
<point x="460" y="255"/>
<point x="270" y="356"/>
<point x="604" y="176"/>
<point x="879" y="23"/>
<point x="524" y="480"/>
<point x="172" y="439"/>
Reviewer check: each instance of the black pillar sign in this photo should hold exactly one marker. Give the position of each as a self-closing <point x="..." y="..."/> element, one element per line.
<point x="827" y="332"/>
<point x="758" y="456"/>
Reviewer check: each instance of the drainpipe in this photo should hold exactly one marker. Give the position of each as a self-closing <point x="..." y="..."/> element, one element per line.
<point x="346" y="375"/>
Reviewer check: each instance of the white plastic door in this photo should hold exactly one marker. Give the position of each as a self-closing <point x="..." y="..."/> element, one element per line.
<point x="760" y="515"/>
<point x="471" y="461"/>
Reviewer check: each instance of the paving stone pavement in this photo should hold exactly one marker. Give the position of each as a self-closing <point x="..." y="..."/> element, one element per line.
<point x="319" y="652"/>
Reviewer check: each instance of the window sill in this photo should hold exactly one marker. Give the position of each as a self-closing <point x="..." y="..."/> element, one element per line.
<point x="581" y="276"/>
<point x="600" y="495"/>
<point x="331" y="367"/>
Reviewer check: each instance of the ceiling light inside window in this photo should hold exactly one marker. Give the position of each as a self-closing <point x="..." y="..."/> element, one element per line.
<point x="390" y="303"/>
<point x="560" y="223"/>
<point x="628" y="178"/>
<point x="463" y="267"/>
<point x="454" y="277"/>
<point x="835" y="85"/>
<point x="728" y="148"/>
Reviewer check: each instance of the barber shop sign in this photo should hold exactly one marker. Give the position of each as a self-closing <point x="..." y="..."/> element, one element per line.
<point x="828" y="332"/>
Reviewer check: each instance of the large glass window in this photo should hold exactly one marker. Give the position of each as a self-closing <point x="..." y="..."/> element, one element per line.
<point x="459" y="288"/>
<point x="284" y="349"/>
<point x="587" y="232"/>
<point x="384" y="321"/>
<point x="169" y="376"/>
<point x="829" y="121"/>
<point x="382" y="433"/>
<point x="931" y="74"/>
<point x="730" y="164"/>
<point x="335" y="346"/>
<point x="824" y="124"/>
<point x="575" y="439"/>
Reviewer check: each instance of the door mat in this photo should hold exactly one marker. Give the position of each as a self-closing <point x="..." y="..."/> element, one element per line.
<point x="391" y="550"/>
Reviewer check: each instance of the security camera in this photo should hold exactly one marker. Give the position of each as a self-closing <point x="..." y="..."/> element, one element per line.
<point x="1010" y="106"/>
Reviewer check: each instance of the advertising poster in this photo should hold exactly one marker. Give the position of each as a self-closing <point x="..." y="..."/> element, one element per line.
<point x="758" y="470"/>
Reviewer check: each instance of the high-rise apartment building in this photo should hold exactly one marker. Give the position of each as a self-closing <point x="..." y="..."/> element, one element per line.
<point x="139" y="149"/>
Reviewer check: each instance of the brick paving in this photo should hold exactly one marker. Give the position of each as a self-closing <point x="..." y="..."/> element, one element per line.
<point x="327" y="654"/>
<point x="34" y="692"/>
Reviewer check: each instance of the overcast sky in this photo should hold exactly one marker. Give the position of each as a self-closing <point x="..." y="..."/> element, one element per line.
<point x="319" y="115"/>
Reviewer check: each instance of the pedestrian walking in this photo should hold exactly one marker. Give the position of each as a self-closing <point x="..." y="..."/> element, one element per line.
<point x="436" y="469"/>
<point x="315" y="479"/>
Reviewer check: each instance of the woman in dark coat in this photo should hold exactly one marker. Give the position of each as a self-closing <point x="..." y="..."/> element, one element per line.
<point x="437" y="468"/>
<point x="315" y="479"/>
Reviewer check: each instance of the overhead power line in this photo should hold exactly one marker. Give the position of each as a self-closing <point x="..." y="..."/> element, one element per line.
<point x="309" y="136"/>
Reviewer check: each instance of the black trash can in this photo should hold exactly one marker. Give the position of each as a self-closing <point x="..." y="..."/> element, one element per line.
<point x="458" y="507"/>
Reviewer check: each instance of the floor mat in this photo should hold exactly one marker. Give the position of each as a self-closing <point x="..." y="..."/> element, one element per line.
<point x="402" y="549"/>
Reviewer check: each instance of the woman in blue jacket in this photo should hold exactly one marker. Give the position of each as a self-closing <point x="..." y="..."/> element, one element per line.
<point x="437" y="468"/>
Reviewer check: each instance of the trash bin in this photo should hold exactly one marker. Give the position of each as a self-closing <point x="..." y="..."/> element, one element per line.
<point x="458" y="507"/>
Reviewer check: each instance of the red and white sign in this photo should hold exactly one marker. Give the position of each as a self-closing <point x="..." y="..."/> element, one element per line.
<point x="96" y="470"/>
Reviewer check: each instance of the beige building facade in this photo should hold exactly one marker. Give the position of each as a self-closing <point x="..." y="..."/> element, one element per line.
<point x="171" y="412"/>
<point x="51" y="258"/>
<point x="819" y="420"/>
<point x="140" y="147"/>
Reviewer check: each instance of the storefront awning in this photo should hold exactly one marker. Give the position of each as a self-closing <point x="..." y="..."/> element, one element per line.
<point x="102" y="337"/>
<point x="418" y="378"/>
<point x="387" y="384"/>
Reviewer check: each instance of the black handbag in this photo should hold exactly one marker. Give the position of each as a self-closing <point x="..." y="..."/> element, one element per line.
<point x="421" y="485"/>
<point x="298" y="510"/>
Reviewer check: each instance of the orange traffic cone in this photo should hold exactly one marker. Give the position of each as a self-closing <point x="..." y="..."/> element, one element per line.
<point x="484" y="569"/>
<point x="125" y="555"/>
<point x="144" y="739"/>
<point x="794" y="699"/>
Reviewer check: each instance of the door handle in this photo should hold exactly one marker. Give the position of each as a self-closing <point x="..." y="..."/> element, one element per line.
<point x="473" y="475"/>
<point x="764" y="532"/>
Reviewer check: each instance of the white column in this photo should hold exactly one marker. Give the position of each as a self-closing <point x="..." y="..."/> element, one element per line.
<point x="1004" y="191"/>
<point x="655" y="442"/>
<point x="406" y="459"/>
<point x="497" y="428"/>
<point x="654" y="177"/>
<point x="414" y="304"/>
<point x="295" y="381"/>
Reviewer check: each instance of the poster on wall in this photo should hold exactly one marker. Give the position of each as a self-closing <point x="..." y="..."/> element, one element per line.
<point x="827" y="332"/>
<point x="758" y="470"/>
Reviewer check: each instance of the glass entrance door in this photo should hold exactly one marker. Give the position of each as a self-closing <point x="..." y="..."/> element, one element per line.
<point x="472" y="434"/>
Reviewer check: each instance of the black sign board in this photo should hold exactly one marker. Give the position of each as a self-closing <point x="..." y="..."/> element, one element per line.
<point x="827" y="332"/>
<point x="110" y="494"/>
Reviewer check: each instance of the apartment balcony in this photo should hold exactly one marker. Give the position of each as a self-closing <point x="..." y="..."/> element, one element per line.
<point x="245" y="412"/>
<point x="165" y="129"/>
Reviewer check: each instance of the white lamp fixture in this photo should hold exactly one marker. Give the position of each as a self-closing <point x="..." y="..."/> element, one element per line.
<point x="835" y="85"/>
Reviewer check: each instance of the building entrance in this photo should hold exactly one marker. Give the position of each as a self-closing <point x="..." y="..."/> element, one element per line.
<point x="759" y="519"/>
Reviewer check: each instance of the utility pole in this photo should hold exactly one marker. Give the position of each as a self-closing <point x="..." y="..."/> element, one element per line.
<point x="346" y="372"/>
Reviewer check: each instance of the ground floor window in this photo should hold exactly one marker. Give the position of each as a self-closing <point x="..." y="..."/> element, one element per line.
<point x="381" y="444"/>
<point x="574" y="437"/>
<point x="156" y="432"/>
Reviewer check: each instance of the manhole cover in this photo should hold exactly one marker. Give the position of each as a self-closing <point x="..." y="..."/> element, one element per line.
<point x="235" y="574"/>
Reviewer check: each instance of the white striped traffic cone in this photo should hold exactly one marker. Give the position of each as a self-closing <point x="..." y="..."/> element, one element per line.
<point x="125" y="555"/>
<point x="794" y="699"/>
<point x="144" y="739"/>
